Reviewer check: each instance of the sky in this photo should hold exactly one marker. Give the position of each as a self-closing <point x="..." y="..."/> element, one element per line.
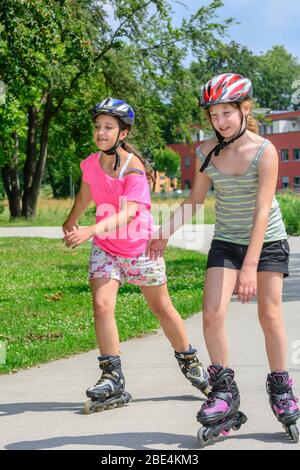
<point x="263" y="23"/>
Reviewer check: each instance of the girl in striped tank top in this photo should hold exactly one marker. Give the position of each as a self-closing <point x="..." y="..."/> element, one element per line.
<point x="249" y="253"/>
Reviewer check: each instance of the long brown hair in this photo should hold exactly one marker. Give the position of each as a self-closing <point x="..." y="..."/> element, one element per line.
<point x="252" y="124"/>
<point x="132" y="149"/>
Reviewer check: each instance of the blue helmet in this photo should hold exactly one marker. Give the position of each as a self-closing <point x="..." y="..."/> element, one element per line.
<point x="114" y="107"/>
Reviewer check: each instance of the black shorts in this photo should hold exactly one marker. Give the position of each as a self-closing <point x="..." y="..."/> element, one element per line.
<point x="274" y="256"/>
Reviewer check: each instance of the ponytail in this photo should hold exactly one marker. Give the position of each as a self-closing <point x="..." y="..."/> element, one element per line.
<point x="131" y="149"/>
<point x="252" y="123"/>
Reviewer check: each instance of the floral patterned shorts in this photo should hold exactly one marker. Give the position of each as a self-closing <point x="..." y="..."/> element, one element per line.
<point x="141" y="270"/>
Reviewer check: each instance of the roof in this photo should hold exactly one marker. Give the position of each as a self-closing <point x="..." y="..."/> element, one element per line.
<point x="279" y="115"/>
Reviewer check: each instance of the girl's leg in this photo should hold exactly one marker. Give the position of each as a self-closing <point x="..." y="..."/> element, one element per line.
<point x="173" y="325"/>
<point x="171" y="322"/>
<point x="104" y="293"/>
<point x="269" y="301"/>
<point x="279" y="384"/>
<point x="218" y="289"/>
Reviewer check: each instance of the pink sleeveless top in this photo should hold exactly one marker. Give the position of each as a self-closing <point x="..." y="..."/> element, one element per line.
<point x="109" y="194"/>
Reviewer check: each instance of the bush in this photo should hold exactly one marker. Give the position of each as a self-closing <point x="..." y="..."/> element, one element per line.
<point x="290" y="207"/>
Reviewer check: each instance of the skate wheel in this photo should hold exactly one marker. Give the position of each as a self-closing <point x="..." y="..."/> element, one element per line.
<point x="241" y="418"/>
<point x="201" y="436"/>
<point x="127" y="398"/>
<point x="236" y="427"/>
<point x="293" y="432"/>
<point x="100" y="407"/>
<point x="87" y="408"/>
<point x="91" y="407"/>
<point x="109" y="406"/>
<point x="225" y="432"/>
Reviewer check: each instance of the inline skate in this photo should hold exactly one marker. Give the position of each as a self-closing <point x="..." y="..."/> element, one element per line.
<point x="192" y="369"/>
<point x="283" y="402"/>
<point x="109" y="392"/>
<point x="220" y="412"/>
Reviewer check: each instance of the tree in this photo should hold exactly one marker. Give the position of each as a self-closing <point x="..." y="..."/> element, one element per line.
<point x="43" y="50"/>
<point x="167" y="161"/>
<point x="50" y="50"/>
<point x="272" y="73"/>
<point x="278" y="70"/>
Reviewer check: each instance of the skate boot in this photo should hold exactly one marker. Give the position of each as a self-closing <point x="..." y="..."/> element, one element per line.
<point x="283" y="402"/>
<point x="109" y="391"/>
<point x="220" y="412"/>
<point x="192" y="369"/>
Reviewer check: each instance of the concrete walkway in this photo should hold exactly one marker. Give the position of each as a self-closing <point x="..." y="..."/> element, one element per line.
<point x="41" y="408"/>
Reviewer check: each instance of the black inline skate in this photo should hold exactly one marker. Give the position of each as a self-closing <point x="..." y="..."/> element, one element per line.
<point x="193" y="370"/>
<point x="283" y="402"/>
<point x="109" y="392"/>
<point x="220" y="412"/>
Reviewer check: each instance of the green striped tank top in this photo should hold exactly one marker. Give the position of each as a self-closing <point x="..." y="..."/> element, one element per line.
<point x="235" y="204"/>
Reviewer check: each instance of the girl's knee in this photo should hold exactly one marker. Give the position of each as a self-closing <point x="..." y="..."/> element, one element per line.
<point x="271" y="320"/>
<point x="103" y="308"/>
<point x="213" y="317"/>
<point x="164" y="310"/>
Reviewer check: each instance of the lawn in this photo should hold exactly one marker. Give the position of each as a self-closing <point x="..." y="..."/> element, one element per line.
<point x="45" y="300"/>
<point x="53" y="212"/>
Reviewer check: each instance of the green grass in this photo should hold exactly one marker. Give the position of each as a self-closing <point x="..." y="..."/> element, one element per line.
<point x="46" y="310"/>
<point x="53" y="212"/>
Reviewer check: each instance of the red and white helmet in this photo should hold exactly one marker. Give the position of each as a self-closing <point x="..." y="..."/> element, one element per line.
<point x="225" y="88"/>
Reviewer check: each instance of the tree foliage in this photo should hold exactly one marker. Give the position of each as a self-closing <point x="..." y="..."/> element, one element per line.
<point x="272" y="73"/>
<point x="167" y="160"/>
<point x="57" y="58"/>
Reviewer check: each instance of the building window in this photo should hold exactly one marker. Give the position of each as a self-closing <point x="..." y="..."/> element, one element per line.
<point x="285" y="182"/>
<point x="284" y="155"/>
<point x="297" y="183"/>
<point x="187" y="162"/>
<point x="296" y="154"/>
<point x="187" y="184"/>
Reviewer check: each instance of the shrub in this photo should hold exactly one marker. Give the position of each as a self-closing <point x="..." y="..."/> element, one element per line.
<point x="290" y="207"/>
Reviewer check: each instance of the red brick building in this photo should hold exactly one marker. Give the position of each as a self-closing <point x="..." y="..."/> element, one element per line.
<point x="283" y="131"/>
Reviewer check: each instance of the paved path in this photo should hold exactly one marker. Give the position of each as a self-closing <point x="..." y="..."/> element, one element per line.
<point x="41" y="408"/>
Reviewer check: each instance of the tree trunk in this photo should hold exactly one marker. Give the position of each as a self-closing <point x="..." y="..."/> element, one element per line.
<point x="52" y="182"/>
<point x="31" y="150"/>
<point x="34" y="170"/>
<point x="10" y="177"/>
<point x="155" y="180"/>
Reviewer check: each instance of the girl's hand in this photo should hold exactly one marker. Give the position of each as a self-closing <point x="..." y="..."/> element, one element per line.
<point x="156" y="248"/>
<point x="78" y="236"/>
<point x="68" y="226"/>
<point x="247" y="284"/>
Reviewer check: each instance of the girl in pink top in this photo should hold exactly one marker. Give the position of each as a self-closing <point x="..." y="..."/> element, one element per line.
<point x="115" y="180"/>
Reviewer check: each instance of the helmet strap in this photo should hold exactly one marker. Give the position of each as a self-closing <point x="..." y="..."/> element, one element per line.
<point x="222" y="143"/>
<point x="113" y="151"/>
<point x="117" y="160"/>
